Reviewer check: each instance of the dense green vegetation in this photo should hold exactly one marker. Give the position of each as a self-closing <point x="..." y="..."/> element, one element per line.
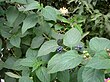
<point x="54" y="40"/>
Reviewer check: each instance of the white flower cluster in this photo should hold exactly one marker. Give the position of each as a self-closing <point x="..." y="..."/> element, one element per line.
<point x="63" y="11"/>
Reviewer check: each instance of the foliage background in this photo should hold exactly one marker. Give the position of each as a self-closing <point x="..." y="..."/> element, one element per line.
<point x="98" y="5"/>
<point x="35" y="38"/>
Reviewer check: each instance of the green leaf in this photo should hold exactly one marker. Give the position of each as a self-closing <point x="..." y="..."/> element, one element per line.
<point x="32" y="6"/>
<point x="88" y="7"/>
<point x="11" y="14"/>
<point x="17" y="66"/>
<point x="46" y="58"/>
<point x="16" y="30"/>
<point x="79" y="75"/>
<point x="63" y="76"/>
<point x="37" y="41"/>
<point x="9" y="45"/>
<point x="15" y="41"/>
<point x="19" y="20"/>
<point x="98" y="63"/>
<point x="58" y="27"/>
<point x="37" y="65"/>
<point x="43" y="75"/>
<point x="17" y="52"/>
<point x="5" y="32"/>
<point x="73" y="75"/>
<point x="72" y="37"/>
<point x="98" y="44"/>
<point x="26" y="72"/>
<point x="37" y="31"/>
<point x="50" y="13"/>
<point x="25" y="79"/>
<point x="56" y="35"/>
<point x="22" y="1"/>
<point x="79" y="27"/>
<point x="47" y="47"/>
<point x="0" y="45"/>
<point x="2" y="0"/>
<point x="95" y="17"/>
<point x="44" y="26"/>
<point x="63" y="19"/>
<point x="61" y="62"/>
<point x="93" y="75"/>
<point x="9" y="62"/>
<point x="53" y="76"/>
<point x="1" y="64"/>
<point x="29" y="22"/>
<point x="102" y="54"/>
<point x="31" y="53"/>
<point x="107" y="24"/>
<point x="70" y="1"/>
<point x="28" y="61"/>
<point x="1" y="11"/>
<point x="19" y="1"/>
<point x="12" y="75"/>
<point x="26" y="40"/>
<point x="9" y="79"/>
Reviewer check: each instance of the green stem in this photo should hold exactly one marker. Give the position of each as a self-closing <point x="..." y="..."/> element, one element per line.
<point x="46" y="36"/>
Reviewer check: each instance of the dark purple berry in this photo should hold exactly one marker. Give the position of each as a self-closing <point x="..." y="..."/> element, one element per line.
<point x="78" y="47"/>
<point x="60" y="49"/>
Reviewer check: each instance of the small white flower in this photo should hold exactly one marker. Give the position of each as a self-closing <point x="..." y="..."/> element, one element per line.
<point x="63" y="11"/>
<point x="2" y="80"/>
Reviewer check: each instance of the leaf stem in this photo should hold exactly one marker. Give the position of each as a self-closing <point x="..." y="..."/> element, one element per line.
<point x="46" y="36"/>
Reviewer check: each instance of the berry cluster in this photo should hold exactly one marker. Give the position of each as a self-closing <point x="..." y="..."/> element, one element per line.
<point x="60" y="49"/>
<point x="78" y="47"/>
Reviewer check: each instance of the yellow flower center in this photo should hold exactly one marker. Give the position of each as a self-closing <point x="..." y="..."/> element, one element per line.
<point x="108" y="81"/>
